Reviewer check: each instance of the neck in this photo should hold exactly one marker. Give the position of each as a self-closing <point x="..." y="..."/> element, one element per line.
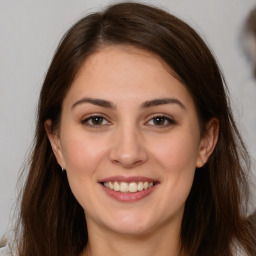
<point x="164" y="242"/>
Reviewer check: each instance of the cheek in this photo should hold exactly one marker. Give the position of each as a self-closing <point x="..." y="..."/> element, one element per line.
<point x="177" y="158"/>
<point x="82" y="153"/>
<point x="177" y="153"/>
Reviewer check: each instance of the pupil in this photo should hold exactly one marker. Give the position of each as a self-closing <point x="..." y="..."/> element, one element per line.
<point x="159" y="121"/>
<point x="97" y="120"/>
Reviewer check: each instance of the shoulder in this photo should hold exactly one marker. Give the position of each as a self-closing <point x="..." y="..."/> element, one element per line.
<point x="237" y="250"/>
<point x="5" y="251"/>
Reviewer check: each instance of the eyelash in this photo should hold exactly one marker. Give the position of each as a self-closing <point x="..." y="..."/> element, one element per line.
<point x="93" y="117"/>
<point x="89" y="121"/>
<point x="164" y="118"/>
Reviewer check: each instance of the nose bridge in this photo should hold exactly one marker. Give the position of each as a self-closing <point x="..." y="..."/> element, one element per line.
<point x="128" y="149"/>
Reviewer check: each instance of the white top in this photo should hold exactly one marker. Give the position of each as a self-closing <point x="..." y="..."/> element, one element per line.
<point x="5" y="251"/>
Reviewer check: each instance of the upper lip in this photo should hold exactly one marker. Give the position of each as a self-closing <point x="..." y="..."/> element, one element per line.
<point x="128" y="179"/>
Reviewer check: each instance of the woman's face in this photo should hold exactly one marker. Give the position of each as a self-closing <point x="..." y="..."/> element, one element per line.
<point x="130" y="141"/>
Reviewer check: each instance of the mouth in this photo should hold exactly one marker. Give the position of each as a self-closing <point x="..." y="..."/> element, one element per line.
<point x="125" y="187"/>
<point x="128" y="189"/>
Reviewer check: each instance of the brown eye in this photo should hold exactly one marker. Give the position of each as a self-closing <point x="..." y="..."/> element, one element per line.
<point x="95" y="121"/>
<point x="161" y="121"/>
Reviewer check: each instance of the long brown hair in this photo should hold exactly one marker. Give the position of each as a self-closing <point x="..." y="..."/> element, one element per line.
<point x="51" y="220"/>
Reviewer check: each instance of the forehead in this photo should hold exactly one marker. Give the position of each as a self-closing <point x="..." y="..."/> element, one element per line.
<point x="122" y="72"/>
<point x="108" y="54"/>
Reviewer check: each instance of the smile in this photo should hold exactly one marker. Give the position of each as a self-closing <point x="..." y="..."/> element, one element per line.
<point x="125" y="187"/>
<point x="128" y="189"/>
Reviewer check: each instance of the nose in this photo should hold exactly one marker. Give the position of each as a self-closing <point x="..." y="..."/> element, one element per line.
<point x="128" y="150"/>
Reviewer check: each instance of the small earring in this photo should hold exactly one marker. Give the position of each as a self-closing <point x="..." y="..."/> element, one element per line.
<point x="62" y="170"/>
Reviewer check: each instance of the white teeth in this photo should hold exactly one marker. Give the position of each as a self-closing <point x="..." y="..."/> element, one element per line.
<point x="116" y="186"/>
<point x="133" y="187"/>
<point x="145" y="185"/>
<point x="110" y="185"/>
<point x="140" y="186"/>
<point x="125" y="187"/>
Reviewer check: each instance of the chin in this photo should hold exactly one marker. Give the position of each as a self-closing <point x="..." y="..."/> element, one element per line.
<point x="132" y="224"/>
<point x="135" y="229"/>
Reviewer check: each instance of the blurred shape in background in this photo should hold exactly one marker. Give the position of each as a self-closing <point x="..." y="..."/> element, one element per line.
<point x="248" y="39"/>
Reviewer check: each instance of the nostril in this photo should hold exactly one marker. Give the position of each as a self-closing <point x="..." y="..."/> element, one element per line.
<point x="127" y="163"/>
<point x="115" y="161"/>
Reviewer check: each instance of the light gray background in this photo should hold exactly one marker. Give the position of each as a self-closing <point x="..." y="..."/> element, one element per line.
<point x="29" y="33"/>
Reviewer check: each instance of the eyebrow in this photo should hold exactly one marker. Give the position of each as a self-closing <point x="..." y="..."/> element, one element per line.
<point x="146" y="104"/>
<point x="163" y="101"/>
<point x="97" y="102"/>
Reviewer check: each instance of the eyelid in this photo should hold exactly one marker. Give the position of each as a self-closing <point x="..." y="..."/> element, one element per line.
<point x="85" y="119"/>
<point x="170" y="119"/>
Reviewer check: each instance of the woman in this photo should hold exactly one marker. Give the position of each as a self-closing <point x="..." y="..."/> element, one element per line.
<point x="136" y="151"/>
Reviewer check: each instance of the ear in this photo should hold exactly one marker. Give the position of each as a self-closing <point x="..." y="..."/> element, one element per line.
<point x="54" y="139"/>
<point x="208" y="142"/>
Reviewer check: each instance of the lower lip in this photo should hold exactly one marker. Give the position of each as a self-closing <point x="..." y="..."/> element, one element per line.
<point x="128" y="197"/>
